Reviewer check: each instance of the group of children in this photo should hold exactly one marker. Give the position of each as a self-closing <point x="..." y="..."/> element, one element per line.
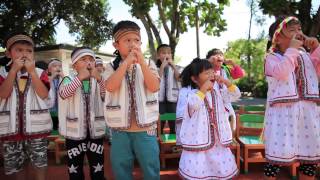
<point x="129" y="93"/>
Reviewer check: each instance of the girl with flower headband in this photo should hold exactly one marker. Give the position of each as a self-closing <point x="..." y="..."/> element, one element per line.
<point x="292" y="123"/>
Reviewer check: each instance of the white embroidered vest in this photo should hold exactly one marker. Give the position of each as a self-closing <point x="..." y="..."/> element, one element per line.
<point x="36" y="116"/>
<point x="281" y="91"/>
<point x="117" y="107"/>
<point x="200" y="136"/>
<point x="181" y="107"/>
<point x="169" y="86"/>
<point x="72" y="113"/>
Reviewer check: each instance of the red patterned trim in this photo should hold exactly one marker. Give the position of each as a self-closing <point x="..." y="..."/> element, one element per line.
<point x="293" y="159"/>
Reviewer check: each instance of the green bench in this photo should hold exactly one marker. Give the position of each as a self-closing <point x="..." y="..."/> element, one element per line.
<point x="167" y="142"/>
<point x="248" y="132"/>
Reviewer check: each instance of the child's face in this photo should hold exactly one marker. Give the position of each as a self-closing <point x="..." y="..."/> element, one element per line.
<point x="164" y="53"/>
<point x="55" y="66"/>
<point x="216" y="60"/>
<point x="20" y="50"/>
<point x="288" y="33"/>
<point x="126" y="43"/>
<point x="100" y="68"/>
<point x="84" y="62"/>
<point x="203" y="77"/>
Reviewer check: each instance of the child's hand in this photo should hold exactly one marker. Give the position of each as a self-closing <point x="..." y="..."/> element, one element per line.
<point x="296" y="42"/>
<point x="17" y="64"/>
<point x="164" y="64"/>
<point x="221" y="80"/>
<point x="139" y="56"/>
<point x="311" y="43"/>
<point x="229" y="62"/>
<point x="170" y="61"/>
<point x="206" y="86"/>
<point x="95" y="74"/>
<point x="83" y="74"/>
<point x="131" y="59"/>
<point x="29" y="65"/>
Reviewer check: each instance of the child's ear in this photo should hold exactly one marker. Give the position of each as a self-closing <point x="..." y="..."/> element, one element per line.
<point x="7" y="53"/>
<point x="194" y="79"/>
<point x="115" y="45"/>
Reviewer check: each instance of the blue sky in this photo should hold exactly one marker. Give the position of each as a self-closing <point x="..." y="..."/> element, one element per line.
<point x="237" y="16"/>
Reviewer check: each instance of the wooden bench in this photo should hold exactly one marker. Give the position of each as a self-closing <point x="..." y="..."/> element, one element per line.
<point x="248" y="131"/>
<point x="60" y="149"/>
<point x="167" y="141"/>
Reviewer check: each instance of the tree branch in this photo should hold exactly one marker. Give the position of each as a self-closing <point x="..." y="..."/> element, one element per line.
<point x="154" y="29"/>
<point x="315" y="28"/>
<point x="162" y="17"/>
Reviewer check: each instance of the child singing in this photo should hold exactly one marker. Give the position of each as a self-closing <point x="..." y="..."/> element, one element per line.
<point x="205" y="130"/>
<point x="292" y="126"/>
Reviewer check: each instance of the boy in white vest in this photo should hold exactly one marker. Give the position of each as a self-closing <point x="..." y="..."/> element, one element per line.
<point x="292" y="125"/>
<point x="131" y="105"/>
<point x="99" y="65"/>
<point x="25" y="121"/>
<point x="169" y="83"/>
<point x="81" y="119"/>
<point x="55" y="74"/>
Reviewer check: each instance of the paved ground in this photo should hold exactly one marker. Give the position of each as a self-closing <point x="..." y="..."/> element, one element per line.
<point x="251" y="101"/>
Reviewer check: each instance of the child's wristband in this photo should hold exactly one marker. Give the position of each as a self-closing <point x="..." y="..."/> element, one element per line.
<point x="232" y="88"/>
<point x="201" y="95"/>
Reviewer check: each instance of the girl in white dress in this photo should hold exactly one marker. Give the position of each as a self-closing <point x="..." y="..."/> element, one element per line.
<point x="205" y="131"/>
<point x="292" y="125"/>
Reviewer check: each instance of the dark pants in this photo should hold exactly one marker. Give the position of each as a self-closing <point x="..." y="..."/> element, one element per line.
<point x="55" y="122"/>
<point x="168" y="107"/>
<point x="93" y="148"/>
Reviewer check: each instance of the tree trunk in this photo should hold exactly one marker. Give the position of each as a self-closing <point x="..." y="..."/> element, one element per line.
<point x="150" y="36"/>
<point x="249" y="37"/>
<point x="315" y="28"/>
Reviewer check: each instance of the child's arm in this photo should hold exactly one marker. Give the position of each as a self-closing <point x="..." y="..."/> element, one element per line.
<point x="161" y="69"/>
<point x="39" y="87"/>
<point x="175" y="70"/>
<point x="236" y="72"/>
<point x="95" y="74"/>
<point x="313" y="44"/>
<point x="68" y="89"/>
<point x="113" y="82"/>
<point x="7" y="85"/>
<point x="281" y="68"/>
<point x="232" y="93"/>
<point x="151" y="80"/>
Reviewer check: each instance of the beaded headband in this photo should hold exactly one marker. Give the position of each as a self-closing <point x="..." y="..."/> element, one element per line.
<point x="280" y="27"/>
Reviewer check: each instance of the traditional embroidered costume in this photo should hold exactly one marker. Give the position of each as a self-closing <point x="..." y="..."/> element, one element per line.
<point x="292" y="117"/>
<point x="205" y="134"/>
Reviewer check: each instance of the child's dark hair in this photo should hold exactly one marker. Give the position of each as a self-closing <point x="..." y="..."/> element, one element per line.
<point x="213" y="52"/>
<point x="196" y="67"/>
<point x="273" y="27"/>
<point x="122" y="25"/>
<point x="162" y="46"/>
<point x="125" y="25"/>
